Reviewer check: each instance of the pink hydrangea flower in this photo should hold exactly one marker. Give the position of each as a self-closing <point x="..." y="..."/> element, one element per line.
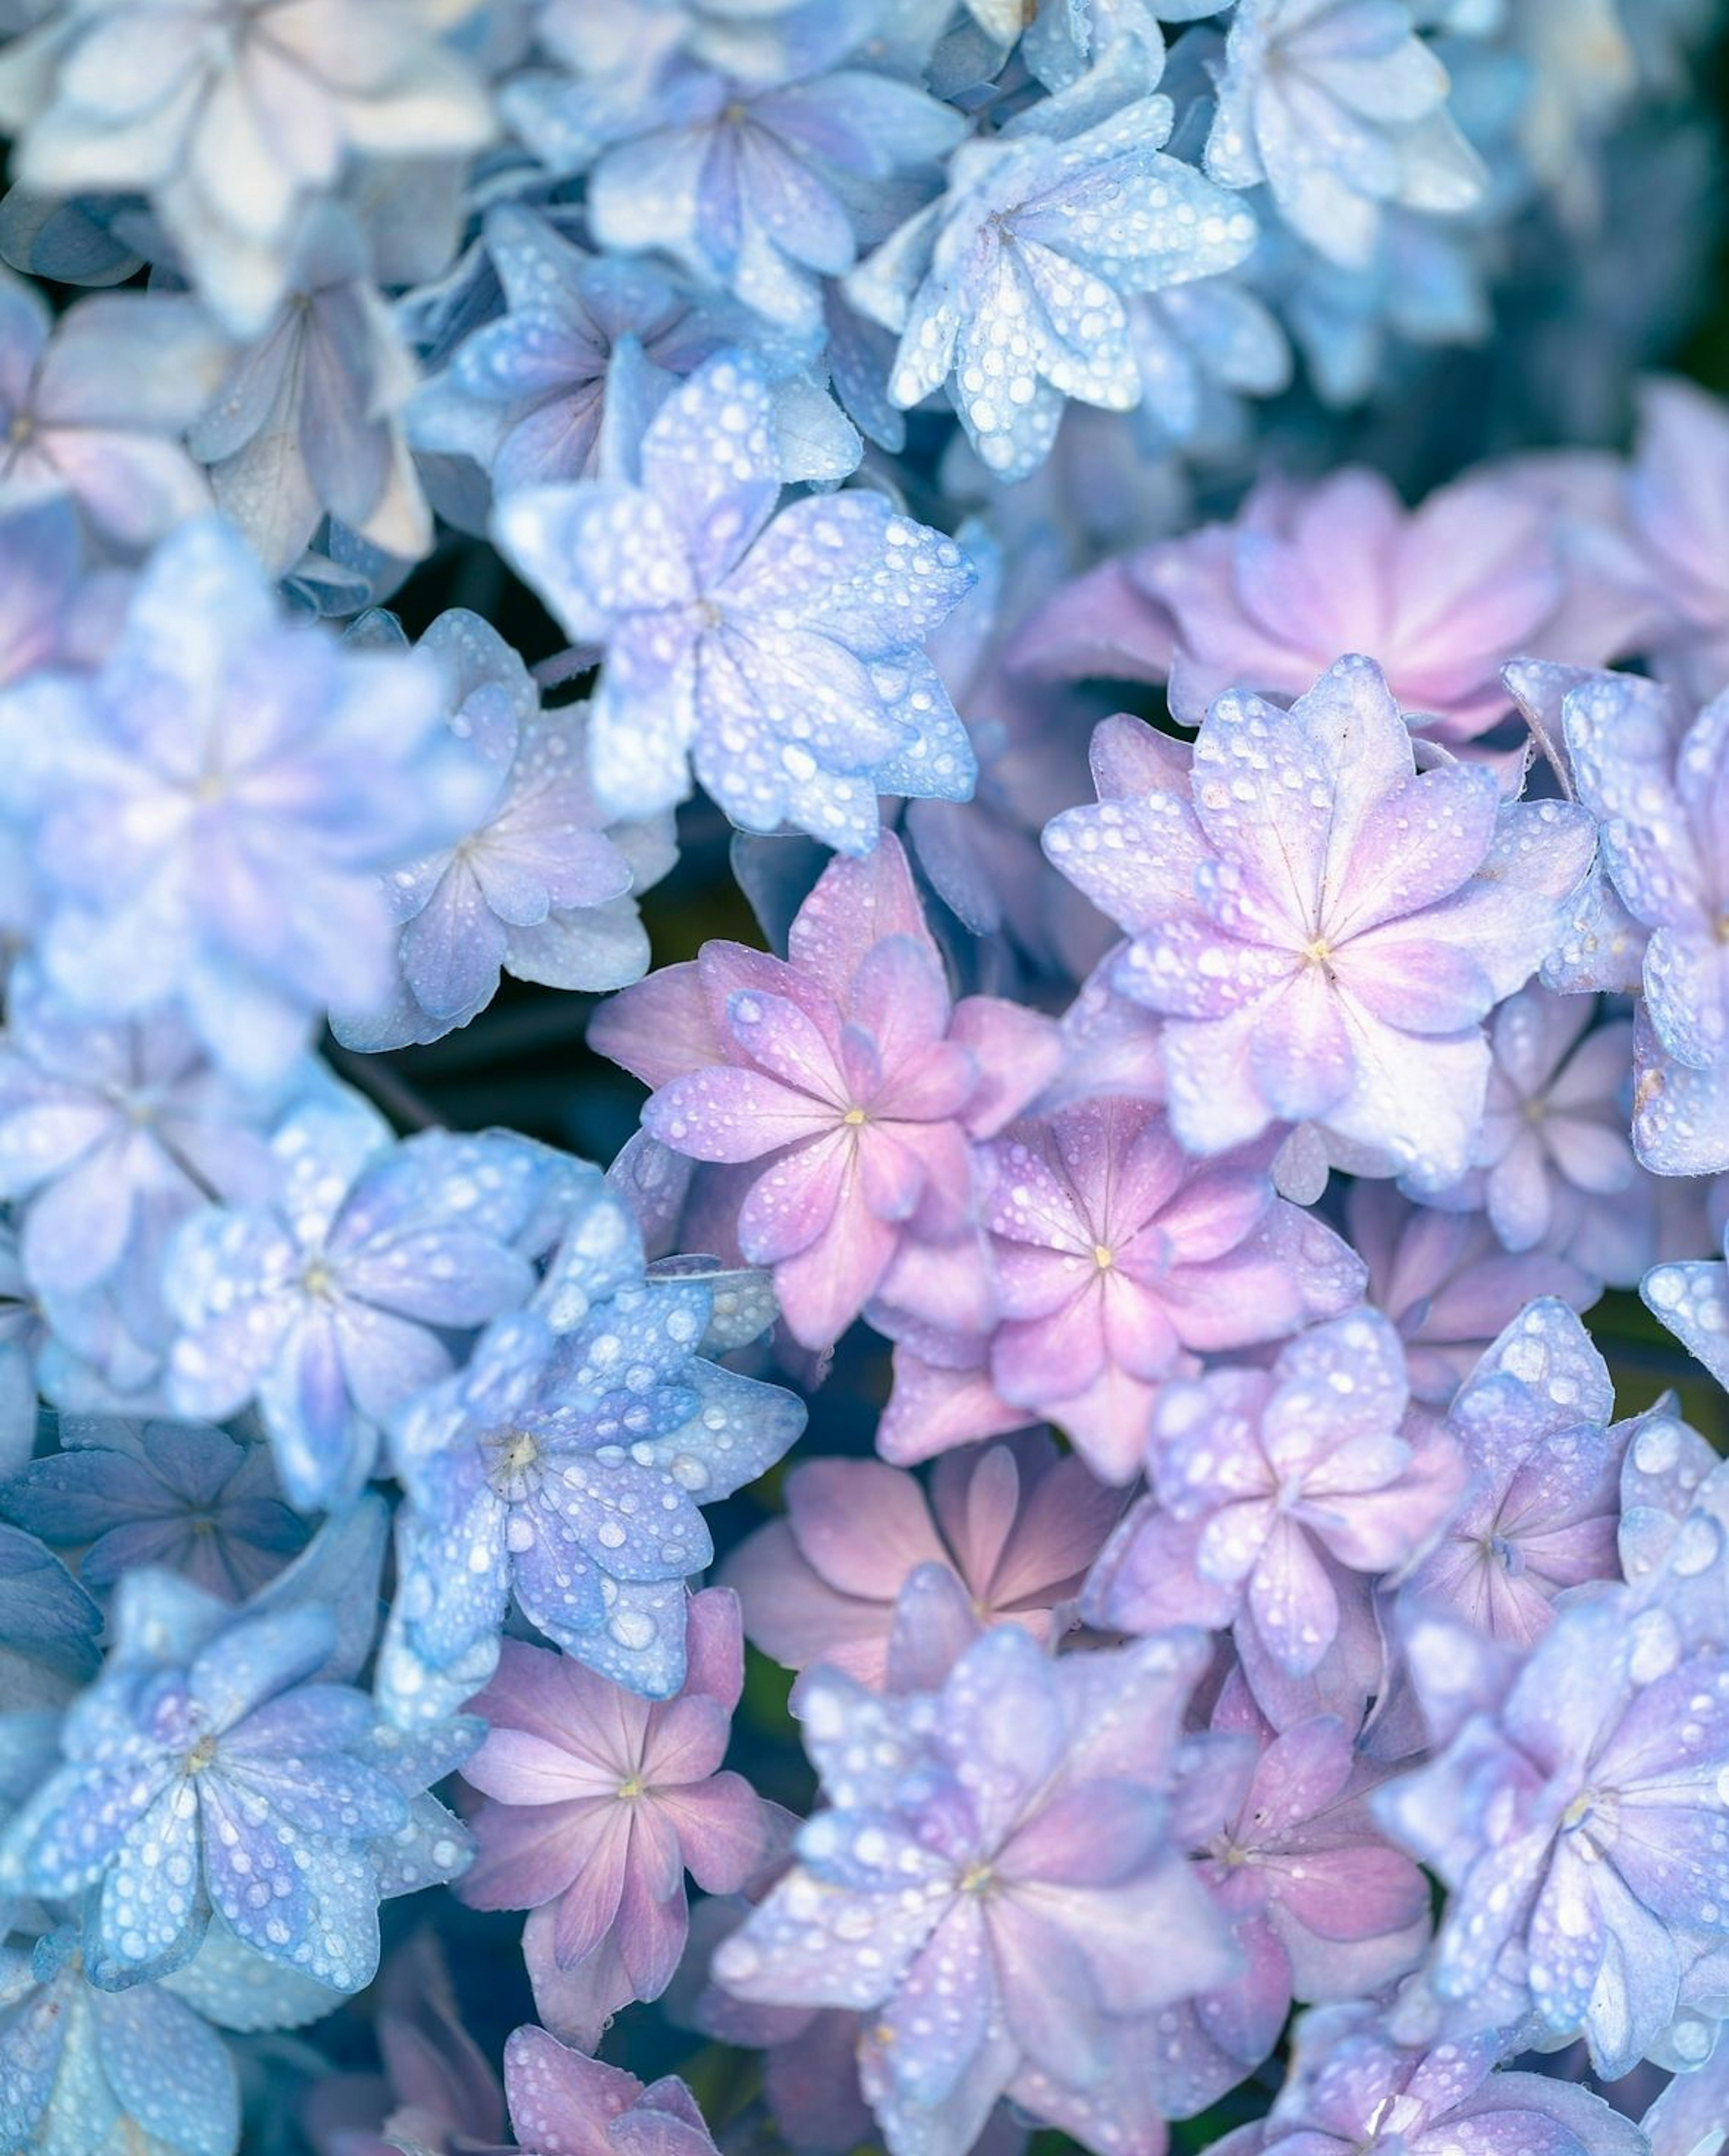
<point x="563" y="2104"/>
<point x="1325" y="928"/>
<point x="597" y="1803"/>
<point x="1015" y="1523"/>
<point x="848" y="1071"/>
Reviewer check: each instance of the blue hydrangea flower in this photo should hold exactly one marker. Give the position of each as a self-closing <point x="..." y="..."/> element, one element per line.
<point x="778" y="656"/>
<point x="110" y="1134"/>
<point x="207" y="1768"/>
<point x="23" y="1332"/>
<point x="539" y="888"/>
<point x="1012" y="287"/>
<point x="1200" y="349"/>
<point x="97" y="404"/>
<point x="85" y="2071"/>
<point x="49" y="1627"/>
<point x="1579" y="1826"/>
<point x="336" y="1303"/>
<point x="210" y="809"/>
<point x="561" y="385"/>
<point x="1341" y="108"/>
<point x="179" y="1495"/>
<point x="567" y="1469"/>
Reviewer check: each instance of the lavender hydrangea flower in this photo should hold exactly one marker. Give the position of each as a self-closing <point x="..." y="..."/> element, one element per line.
<point x="206" y="1769"/>
<point x="1656" y="781"/>
<point x="1325" y="928"/>
<point x="1276" y="1494"/>
<point x="1691" y="1298"/>
<point x="1017" y="1526"/>
<point x="112" y="1134"/>
<point x="1542" y="1507"/>
<point x="88" y="2069"/>
<point x="1670" y="551"/>
<point x="759" y="189"/>
<point x="1012" y="287"/>
<point x="97" y="404"/>
<point x="1341" y="108"/>
<point x="178" y="1494"/>
<point x="1352" y="2087"/>
<point x="565" y="1468"/>
<point x="565" y="2104"/>
<point x="539" y="888"/>
<point x="1579" y="1826"/>
<point x="781" y="658"/>
<point x="597" y="1803"/>
<point x="849" y="1072"/>
<point x="992" y="1862"/>
<point x="1118" y="1260"/>
<point x="210" y="809"/>
<point x="233" y="120"/>
<point x="336" y="1303"/>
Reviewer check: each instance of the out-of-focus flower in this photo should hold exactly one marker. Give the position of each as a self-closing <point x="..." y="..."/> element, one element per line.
<point x="779" y="656"/>
<point x="848" y="1071"/>
<point x="1341" y="108"/>
<point x="992" y="1862"/>
<point x="563" y="2103"/>
<point x="597" y="1803"/>
<point x="1013" y="288"/>
<point x="1017" y="1525"/>
<point x="540" y="888"/>
<point x="234" y="119"/>
<point x="179" y="1495"/>
<point x="208" y="812"/>
<point x="1325" y="928"/>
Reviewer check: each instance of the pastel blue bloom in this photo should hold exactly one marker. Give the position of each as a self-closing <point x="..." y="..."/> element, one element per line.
<point x="1341" y="108"/>
<point x="1013" y="288"/>
<point x="1200" y="349"/>
<point x="567" y="1469"/>
<point x="334" y="1304"/>
<point x="540" y="888"/>
<point x="207" y="1768"/>
<point x="97" y="404"/>
<point x="179" y="1495"/>
<point x="48" y="1626"/>
<point x="210" y="810"/>
<point x="86" y="2072"/>
<point x="111" y="1134"/>
<point x="562" y="384"/>
<point x="780" y="655"/>
<point x="1578" y="1825"/>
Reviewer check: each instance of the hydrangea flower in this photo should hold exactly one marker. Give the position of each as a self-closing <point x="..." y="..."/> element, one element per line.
<point x="1656" y="781"/>
<point x="97" y="404"/>
<point x="49" y="1629"/>
<point x="1325" y="928"/>
<point x="22" y="1335"/>
<point x="87" y="2070"/>
<point x="1671" y="529"/>
<point x="233" y="120"/>
<point x="1691" y="1298"/>
<point x="1341" y="108"/>
<point x="565" y="2104"/>
<point x="207" y="1770"/>
<point x="1351" y="2086"/>
<point x="1577" y="1826"/>
<point x="759" y="189"/>
<point x="210" y="809"/>
<point x="849" y="1072"/>
<point x="1119" y="1260"/>
<point x="1541" y="1504"/>
<point x="1275" y="1493"/>
<point x="778" y="656"/>
<point x="178" y="1494"/>
<point x="597" y="1803"/>
<point x="336" y="1303"/>
<point x="992" y="1863"/>
<point x="539" y="888"/>
<point x="1017" y="1524"/>
<point x="566" y="1469"/>
<point x="1012" y="287"/>
<point x="1321" y="1904"/>
<point x="112" y="1134"/>
<point x="1441" y="595"/>
<point x="1554" y="1166"/>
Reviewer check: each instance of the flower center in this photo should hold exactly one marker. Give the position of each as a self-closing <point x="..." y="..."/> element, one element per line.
<point x="1104" y="1257"/>
<point x="317" y="1280"/>
<point x="975" y="1879"/>
<point x="854" y="1118"/>
<point x="631" y="1790"/>
<point x="1319" y="953"/>
<point x="202" y="1755"/>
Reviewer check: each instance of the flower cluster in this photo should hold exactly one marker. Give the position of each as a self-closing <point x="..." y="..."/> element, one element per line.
<point x="863" y="1065"/>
